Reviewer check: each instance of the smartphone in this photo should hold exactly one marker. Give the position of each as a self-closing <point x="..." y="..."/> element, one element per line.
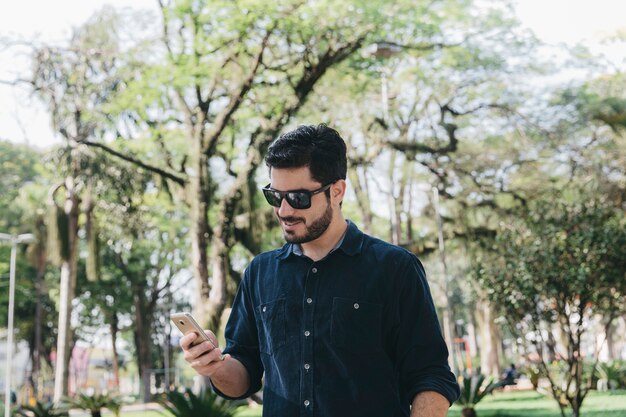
<point x="187" y="324"/>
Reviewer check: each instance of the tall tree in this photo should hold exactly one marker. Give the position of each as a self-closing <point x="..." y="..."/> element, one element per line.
<point x="72" y="82"/>
<point x="229" y="77"/>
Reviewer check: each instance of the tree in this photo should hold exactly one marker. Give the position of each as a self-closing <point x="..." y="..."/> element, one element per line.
<point x="72" y="83"/>
<point x="24" y="182"/>
<point x="559" y="265"/>
<point x="228" y="79"/>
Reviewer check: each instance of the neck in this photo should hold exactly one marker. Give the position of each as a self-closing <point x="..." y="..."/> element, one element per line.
<point x="320" y="247"/>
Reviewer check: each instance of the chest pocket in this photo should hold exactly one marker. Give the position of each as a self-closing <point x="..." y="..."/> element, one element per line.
<point x="271" y="325"/>
<point x="356" y="325"/>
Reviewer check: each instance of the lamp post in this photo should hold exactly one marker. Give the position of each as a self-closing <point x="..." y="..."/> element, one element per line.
<point x="15" y="240"/>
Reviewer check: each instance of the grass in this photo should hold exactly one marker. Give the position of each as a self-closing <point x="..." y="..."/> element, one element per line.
<point x="532" y="404"/>
<point x="501" y="404"/>
<point x="527" y="404"/>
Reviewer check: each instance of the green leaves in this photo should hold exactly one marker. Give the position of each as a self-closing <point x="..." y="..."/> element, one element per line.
<point x="94" y="403"/>
<point x="474" y="387"/>
<point x="206" y="404"/>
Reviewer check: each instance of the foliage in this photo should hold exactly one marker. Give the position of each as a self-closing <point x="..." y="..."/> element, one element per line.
<point x="41" y="409"/>
<point x="559" y="264"/>
<point x="612" y="375"/>
<point x="474" y="387"/>
<point x="94" y="403"/>
<point x="19" y="166"/>
<point x="207" y="404"/>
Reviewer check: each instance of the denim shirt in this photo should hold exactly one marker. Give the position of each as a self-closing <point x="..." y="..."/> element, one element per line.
<point x="353" y="334"/>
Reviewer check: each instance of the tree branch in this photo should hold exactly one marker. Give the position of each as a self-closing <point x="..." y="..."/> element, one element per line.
<point x="167" y="175"/>
<point x="212" y="136"/>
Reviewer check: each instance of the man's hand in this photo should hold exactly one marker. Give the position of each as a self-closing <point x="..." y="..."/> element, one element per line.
<point x="429" y="404"/>
<point x="205" y="357"/>
<point x="226" y="373"/>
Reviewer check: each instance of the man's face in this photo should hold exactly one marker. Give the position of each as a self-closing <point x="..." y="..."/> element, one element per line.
<point x="305" y="225"/>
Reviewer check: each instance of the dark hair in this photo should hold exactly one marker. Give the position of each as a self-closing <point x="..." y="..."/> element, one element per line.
<point x="318" y="147"/>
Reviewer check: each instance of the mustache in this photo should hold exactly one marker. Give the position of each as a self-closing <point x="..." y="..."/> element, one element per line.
<point x="291" y="219"/>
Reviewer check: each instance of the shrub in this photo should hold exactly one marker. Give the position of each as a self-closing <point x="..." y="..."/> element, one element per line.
<point x="473" y="389"/>
<point x="206" y="404"/>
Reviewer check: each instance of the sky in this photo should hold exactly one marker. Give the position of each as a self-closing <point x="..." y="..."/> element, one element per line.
<point x="22" y="119"/>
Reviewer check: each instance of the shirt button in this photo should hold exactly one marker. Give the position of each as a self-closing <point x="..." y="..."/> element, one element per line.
<point x="309" y="300"/>
<point x="356" y="306"/>
<point x="307" y="366"/>
<point x="314" y="270"/>
<point x="307" y="333"/>
<point x="264" y="309"/>
<point x="306" y="403"/>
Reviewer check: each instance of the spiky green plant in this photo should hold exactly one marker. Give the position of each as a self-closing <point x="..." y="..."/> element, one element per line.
<point x="95" y="403"/>
<point x="473" y="389"/>
<point x="206" y="404"/>
<point x="41" y="409"/>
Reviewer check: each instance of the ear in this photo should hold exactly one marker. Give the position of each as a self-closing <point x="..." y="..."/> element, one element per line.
<point x="338" y="191"/>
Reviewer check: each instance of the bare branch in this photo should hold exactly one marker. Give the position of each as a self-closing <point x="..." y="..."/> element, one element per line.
<point x="212" y="136"/>
<point x="167" y="175"/>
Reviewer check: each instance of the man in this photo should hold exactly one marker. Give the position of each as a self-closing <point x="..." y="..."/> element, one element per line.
<point x="338" y="323"/>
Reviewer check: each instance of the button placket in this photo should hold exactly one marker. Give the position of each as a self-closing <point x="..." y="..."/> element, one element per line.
<point x="306" y="374"/>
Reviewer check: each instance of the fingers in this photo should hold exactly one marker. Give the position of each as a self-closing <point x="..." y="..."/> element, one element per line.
<point x="209" y="363"/>
<point x="187" y="340"/>
<point x="213" y="338"/>
<point x="213" y="355"/>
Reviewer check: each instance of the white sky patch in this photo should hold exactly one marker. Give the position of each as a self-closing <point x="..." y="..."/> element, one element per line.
<point x="572" y="21"/>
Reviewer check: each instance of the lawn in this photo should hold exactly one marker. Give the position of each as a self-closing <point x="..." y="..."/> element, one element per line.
<point x="531" y="404"/>
<point x="528" y="404"/>
<point x="514" y="404"/>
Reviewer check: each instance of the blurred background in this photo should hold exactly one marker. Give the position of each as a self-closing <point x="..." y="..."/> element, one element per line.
<point x="487" y="137"/>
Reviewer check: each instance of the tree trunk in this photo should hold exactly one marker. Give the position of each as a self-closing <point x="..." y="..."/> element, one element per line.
<point x="471" y="334"/>
<point x="142" y="342"/>
<point x="38" y="350"/>
<point x="394" y="226"/>
<point x="489" y="360"/>
<point x="362" y="197"/>
<point x="611" y="351"/>
<point x="198" y="197"/>
<point x="220" y="265"/>
<point x="116" y="366"/>
<point x="68" y="292"/>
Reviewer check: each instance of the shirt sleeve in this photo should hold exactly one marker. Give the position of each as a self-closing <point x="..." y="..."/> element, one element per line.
<point x="421" y="350"/>
<point x="242" y="340"/>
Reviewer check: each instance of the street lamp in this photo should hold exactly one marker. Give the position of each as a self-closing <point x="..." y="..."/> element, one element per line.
<point x="15" y="240"/>
<point x="383" y="50"/>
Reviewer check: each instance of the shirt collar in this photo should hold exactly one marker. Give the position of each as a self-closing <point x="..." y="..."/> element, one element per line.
<point x="350" y="244"/>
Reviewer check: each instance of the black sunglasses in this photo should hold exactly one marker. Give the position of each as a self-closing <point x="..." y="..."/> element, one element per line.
<point x="298" y="199"/>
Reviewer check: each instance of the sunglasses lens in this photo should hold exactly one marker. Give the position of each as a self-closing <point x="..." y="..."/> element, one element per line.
<point x="299" y="200"/>
<point x="272" y="197"/>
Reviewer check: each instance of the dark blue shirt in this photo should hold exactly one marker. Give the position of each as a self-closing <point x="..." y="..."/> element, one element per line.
<point x="353" y="334"/>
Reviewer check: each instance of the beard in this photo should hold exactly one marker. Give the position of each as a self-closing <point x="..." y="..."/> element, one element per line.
<point x="312" y="232"/>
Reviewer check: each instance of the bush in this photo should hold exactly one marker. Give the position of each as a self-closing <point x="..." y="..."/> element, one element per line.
<point x="95" y="403"/>
<point x="473" y="389"/>
<point x="41" y="409"/>
<point x="206" y="404"/>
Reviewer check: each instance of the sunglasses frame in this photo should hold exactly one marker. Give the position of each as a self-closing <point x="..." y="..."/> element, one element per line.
<point x="284" y="195"/>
